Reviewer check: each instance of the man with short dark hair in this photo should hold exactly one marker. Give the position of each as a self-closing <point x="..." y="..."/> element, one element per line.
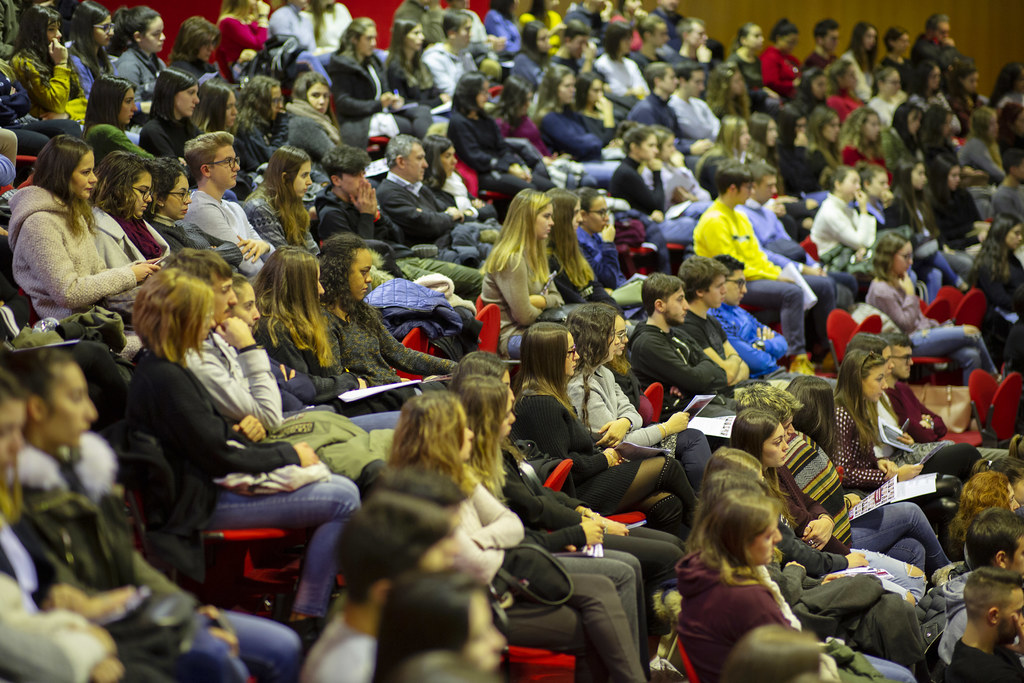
<point x="350" y="205"/>
<point x="723" y="230"/>
<point x="756" y="343"/>
<point x="697" y="125"/>
<point x="392" y="534"/>
<point x="447" y="61"/>
<point x="988" y="651"/>
<point x="653" y="35"/>
<point x="666" y="9"/>
<point x="589" y="13"/>
<point x="576" y="52"/>
<point x="1008" y="197"/>
<point x="924" y="425"/>
<point x="662" y="352"/>
<point x="704" y="285"/>
<point x="994" y="539"/>
<point x="826" y="38"/>
<point x="654" y="110"/>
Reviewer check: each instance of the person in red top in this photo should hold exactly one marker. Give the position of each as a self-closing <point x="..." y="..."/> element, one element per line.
<point x="842" y="80"/>
<point x="243" y="31"/>
<point x="780" y="69"/>
<point x="861" y="138"/>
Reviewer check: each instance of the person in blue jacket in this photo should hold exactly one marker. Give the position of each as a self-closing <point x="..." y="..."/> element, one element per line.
<point x="758" y="345"/>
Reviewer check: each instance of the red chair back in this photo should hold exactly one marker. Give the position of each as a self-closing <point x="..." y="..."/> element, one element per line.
<point x="490" y="319"/>
<point x="810" y="247"/>
<point x="655" y="393"/>
<point x="939" y="310"/>
<point x="952" y="295"/>
<point x="1005" y="402"/>
<point x="840" y="327"/>
<point x="982" y="387"/>
<point x="556" y="480"/>
<point x="416" y="340"/>
<point x="871" y="325"/>
<point x="971" y="309"/>
<point x="468" y="177"/>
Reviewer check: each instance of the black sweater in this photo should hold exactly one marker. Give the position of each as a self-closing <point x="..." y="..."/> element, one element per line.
<point x="956" y="218"/>
<point x="627" y="184"/>
<point x="543" y="510"/>
<point x="559" y="434"/>
<point x="480" y="144"/>
<point x="419" y="216"/>
<point x="167" y="402"/>
<point x="337" y="216"/>
<point x="675" y="360"/>
<point x="398" y="79"/>
<point x="165" y="138"/>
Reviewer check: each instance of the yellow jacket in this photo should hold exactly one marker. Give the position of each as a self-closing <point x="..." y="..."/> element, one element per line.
<point x="57" y="94"/>
<point x="722" y="230"/>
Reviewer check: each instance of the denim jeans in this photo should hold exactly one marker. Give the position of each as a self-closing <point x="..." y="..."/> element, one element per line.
<point x="891" y="670"/>
<point x="372" y="421"/>
<point x="788" y="298"/>
<point x="901" y="531"/>
<point x="902" y="582"/>
<point x="267" y="650"/>
<point x="326" y="505"/>
<point x="693" y="453"/>
<point x="967" y="350"/>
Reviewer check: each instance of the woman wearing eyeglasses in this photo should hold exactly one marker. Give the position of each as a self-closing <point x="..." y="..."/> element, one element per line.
<point x="601" y="477"/>
<point x="892" y="292"/>
<point x="124" y="188"/>
<point x="91" y="29"/>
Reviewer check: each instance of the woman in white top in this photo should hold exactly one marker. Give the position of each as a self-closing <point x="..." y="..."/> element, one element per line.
<point x="862" y="53"/>
<point x="837" y="223"/>
<point x="619" y="71"/>
<point x="330" y="19"/>
<point x="890" y="94"/>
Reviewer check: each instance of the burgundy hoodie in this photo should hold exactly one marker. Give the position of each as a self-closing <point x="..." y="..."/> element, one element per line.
<point x="715" y="616"/>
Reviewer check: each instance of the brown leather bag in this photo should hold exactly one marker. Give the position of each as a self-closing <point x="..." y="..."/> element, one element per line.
<point x="952" y="403"/>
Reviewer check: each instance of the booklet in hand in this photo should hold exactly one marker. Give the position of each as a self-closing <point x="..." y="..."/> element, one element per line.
<point x="631" y="451"/>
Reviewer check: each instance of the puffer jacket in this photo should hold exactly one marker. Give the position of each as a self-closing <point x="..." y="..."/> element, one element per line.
<point x="406" y="305"/>
<point x="61" y="273"/>
<point x="356" y="99"/>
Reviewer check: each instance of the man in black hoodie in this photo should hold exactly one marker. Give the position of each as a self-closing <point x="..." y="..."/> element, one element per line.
<point x="349" y="204"/>
<point x="662" y="352"/>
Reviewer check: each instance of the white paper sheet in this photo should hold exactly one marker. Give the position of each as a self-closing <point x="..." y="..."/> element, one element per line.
<point x="714" y="426"/>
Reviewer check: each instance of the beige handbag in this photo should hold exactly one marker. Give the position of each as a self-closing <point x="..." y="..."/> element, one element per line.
<point x="951" y="403"/>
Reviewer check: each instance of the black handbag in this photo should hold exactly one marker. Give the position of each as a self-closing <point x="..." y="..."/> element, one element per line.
<point x="532" y="573"/>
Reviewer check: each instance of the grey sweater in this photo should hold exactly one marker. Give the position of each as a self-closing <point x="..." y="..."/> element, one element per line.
<point x="510" y="289"/>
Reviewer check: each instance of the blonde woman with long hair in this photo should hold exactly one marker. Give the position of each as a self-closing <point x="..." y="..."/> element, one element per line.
<point x="823" y="151"/>
<point x="516" y="274"/>
<point x="732" y="143"/>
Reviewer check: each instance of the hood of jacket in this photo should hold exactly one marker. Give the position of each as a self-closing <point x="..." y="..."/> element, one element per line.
<point x="94" y="462"/>
<point x="27" y="201"/>
<point x="695" y="577"/>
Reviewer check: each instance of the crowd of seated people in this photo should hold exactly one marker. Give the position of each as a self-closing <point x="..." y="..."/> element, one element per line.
<point x="225" y="259"/>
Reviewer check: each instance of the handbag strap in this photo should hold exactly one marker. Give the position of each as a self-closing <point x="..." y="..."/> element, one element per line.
<point x="522" y="585"/>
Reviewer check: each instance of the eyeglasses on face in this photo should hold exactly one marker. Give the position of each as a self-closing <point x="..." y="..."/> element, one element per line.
<point x="230" y="162"/>
<point x="739" y="282"/>
<point x="599" y="212"/>
<point x="180" y="194"/>
<point x="106" y="28"/>
<point x="144" y="192"/>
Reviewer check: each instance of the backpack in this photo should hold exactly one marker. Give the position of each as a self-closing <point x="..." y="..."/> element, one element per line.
<point x="278" y="59"/>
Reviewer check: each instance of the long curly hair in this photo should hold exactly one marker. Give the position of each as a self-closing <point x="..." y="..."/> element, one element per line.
<point x="255" y="105"/>
<point x="592" y="326"/>
<point x="995" y="255"/>
<point x="429" y="435"/>
<point x="116" y="177"/>
<point x="720" y="97"/>
<point x="982" y="491"/>
<point x="287" y="296"/>
<point x="486" y="402"/>
<point x="852" y="133"/>
<point x="337" y="255"/>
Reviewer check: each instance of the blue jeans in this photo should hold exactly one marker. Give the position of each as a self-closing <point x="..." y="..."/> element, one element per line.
<point x="788" y="298"/>
<point x="901" y="531"/>
<point x="600" y="172"/>
<point x="891" y="670"/>
<point x="326" y="505"/>
<point x="372" y="421"/>
<point x="902" y="582"/>
<point x="967" y="350"/>
<point x="267" y="650"/>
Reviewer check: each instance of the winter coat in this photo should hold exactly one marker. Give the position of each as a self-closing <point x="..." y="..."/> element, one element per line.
<point x="406" y="305"/>
<point x="356" y="97"/>
<point x="60" y="272"/>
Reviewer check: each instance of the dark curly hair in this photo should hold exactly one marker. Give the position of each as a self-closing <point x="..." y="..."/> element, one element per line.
<point x="337" y="254"/>
<point x="591" y="326"/>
